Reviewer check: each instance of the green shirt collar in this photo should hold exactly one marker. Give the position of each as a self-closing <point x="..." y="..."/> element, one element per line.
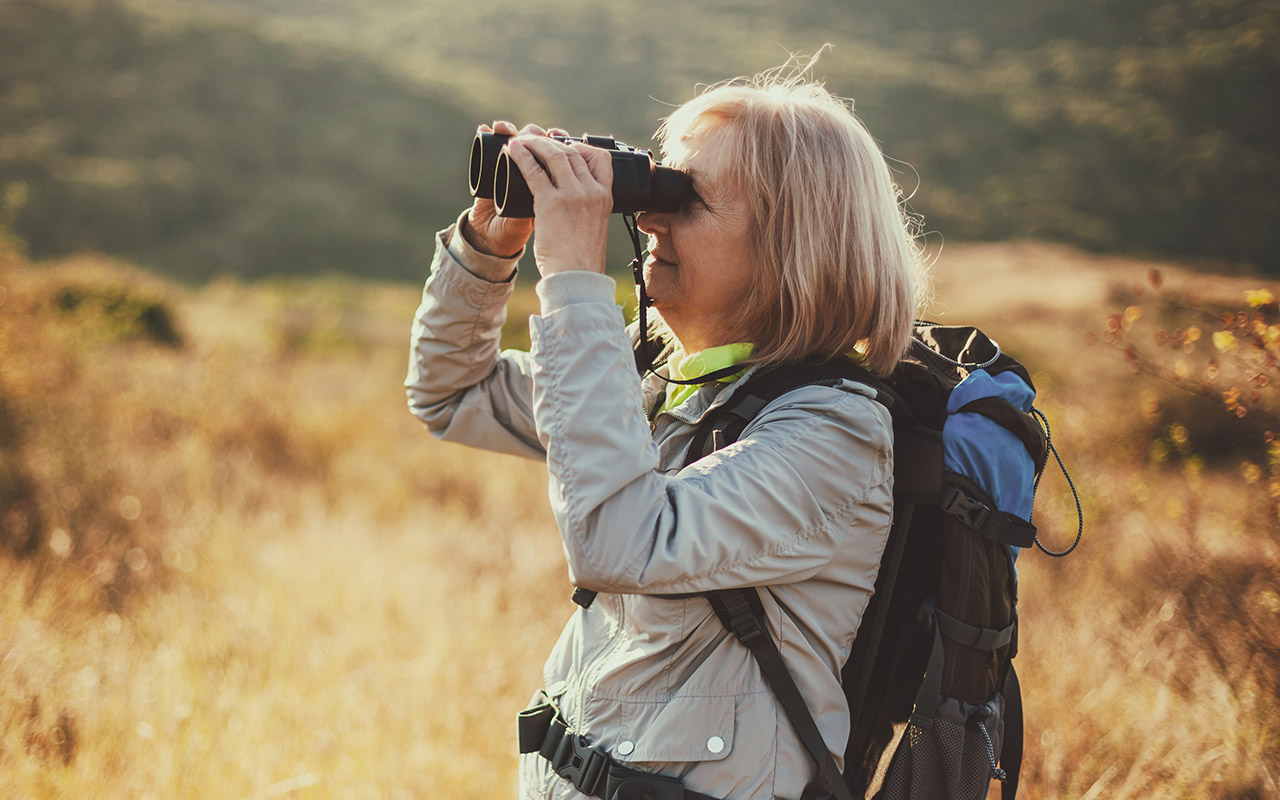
<point x="694" y="365"/>
<point x="687" y="367"/>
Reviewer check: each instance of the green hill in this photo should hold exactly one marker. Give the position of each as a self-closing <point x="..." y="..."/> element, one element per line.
<point x="259" y="137"/>
<point x="206" y="150"/>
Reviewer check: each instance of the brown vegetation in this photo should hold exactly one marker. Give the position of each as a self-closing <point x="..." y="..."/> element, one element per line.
<point x="234" y="566"/>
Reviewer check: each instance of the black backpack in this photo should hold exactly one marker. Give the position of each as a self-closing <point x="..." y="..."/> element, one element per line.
<point x="934" y="701"/>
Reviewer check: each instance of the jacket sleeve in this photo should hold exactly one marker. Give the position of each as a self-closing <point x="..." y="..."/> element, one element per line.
<point x="458" y="383"/>
<point x="772" y="508"/>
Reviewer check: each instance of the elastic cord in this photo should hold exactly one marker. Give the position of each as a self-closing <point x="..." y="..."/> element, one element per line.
<point x="1044" y="424"/>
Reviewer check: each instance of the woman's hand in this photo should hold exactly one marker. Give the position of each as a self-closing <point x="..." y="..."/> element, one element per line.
<point x="484" y="230"/>
<point x="572" y="186"/>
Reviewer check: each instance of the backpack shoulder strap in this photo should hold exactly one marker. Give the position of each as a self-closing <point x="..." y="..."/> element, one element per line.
<point x="741" y="612"/>
<point x="724" y="424"/>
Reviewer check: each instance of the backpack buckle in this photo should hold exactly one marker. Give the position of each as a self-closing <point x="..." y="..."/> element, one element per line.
<point x="746" y="627"/>
<point x="964" y="508"/>
<point x="586" y="767"/>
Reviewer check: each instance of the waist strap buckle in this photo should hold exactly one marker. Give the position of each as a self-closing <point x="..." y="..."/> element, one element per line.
<point x="587" y="767"/>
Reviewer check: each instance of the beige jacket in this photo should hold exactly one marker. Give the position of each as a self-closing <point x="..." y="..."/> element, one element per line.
<point x="800" y="504"/>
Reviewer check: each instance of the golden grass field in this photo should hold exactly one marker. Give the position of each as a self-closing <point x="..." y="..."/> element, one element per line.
<point x="236" y="567"/>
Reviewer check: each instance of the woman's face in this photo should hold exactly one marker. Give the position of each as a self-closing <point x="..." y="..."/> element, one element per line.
<point x="700" y="265"/>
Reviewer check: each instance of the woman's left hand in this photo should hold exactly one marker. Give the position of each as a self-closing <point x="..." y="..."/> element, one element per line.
<point x="572" y="186"/>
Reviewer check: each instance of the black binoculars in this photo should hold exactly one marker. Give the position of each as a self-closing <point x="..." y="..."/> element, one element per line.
<point x="639" y="184"/>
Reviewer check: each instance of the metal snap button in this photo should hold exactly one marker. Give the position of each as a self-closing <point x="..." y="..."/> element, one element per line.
<point x="715" y="744"/>
<point x="626" y="748"/>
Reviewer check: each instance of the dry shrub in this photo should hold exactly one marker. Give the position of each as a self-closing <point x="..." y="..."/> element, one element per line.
<point x="118" y="313"/>
<point x="123" y="439"/>
<point x="111" y="429"/>
<point x="64" y="502"/>
<point x="1233" y="609"/>
<point x="21" y="524"/>
<point x="1216" y="363"/>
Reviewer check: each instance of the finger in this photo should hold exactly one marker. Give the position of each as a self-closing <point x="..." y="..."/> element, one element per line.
<point x="553" y="156"/>
<point x="559" y="132"/>
<point x="503" y="127"/>
<point x="599" y="163"/>
<point x="578" y="161"/>
<point x="533" y="130"/>
<point x="535" y="175"/>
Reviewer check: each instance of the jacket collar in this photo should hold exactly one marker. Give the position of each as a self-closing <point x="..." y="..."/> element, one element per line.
<point x="708" y="398"/>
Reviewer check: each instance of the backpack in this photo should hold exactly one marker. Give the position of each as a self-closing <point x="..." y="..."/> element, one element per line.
<point x="934" y="701"/>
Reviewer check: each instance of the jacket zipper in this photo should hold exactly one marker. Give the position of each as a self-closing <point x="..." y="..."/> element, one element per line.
<point x="591" y="671"/>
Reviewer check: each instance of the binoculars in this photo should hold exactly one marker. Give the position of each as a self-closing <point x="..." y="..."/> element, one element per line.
<point x="639" y="184"/>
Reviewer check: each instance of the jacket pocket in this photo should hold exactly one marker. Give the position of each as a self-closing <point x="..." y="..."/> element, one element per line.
<point x="680" y="729"/>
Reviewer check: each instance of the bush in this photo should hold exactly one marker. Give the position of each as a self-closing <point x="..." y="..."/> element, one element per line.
<point x="113" y="434"/>
<point x="117" y="313"/>
<point x="1219" y="367"/>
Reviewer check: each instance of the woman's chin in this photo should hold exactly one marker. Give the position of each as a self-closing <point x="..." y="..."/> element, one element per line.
<point x="659" y="284"/>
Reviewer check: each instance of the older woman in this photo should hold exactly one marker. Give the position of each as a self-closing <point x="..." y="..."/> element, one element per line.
<point x="791" y="246"/>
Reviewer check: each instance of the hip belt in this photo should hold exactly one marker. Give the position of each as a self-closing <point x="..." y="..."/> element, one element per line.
<point x="591" y="769"/>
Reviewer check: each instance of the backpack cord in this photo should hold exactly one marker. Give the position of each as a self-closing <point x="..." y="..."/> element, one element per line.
<point x="996" y="772"/>
<point x="1049" y="448"/>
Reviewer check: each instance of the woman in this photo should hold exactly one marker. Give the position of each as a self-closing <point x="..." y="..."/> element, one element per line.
<point x="792" y="245"/>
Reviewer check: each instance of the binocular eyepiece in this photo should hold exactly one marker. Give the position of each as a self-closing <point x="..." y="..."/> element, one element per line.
<point x="639" y="184"/>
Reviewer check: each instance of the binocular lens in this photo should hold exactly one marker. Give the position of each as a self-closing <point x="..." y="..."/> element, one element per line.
<point x="638" y="183"/>
<point x="484" y="157"/>
<point x="511" y="195"/>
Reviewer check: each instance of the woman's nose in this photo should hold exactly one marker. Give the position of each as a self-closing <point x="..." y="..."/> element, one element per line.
<point x="654" y="222"/>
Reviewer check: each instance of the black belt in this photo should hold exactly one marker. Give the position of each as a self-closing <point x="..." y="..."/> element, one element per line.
<point x="591" y="769"/>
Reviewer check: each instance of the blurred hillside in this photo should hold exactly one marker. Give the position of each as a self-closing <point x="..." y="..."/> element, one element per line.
<point x="279" y="136"/>
<point x="199" y="150"/>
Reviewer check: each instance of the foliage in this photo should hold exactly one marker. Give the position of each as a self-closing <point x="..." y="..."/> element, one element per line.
<point x="240" y="137"/>
<point x="1228" y="359"/>
<point x="1214" y="402"/>
<point x="119" y="314"/>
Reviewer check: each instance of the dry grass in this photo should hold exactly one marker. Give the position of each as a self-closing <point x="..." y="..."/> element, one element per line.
<point x="238" y="569"/>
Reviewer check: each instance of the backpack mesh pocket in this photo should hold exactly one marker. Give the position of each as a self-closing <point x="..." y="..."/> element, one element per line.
<point x="952" y="760"/>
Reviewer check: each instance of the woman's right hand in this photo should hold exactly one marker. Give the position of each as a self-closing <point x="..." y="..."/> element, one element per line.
<point x="483" y="229"/>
